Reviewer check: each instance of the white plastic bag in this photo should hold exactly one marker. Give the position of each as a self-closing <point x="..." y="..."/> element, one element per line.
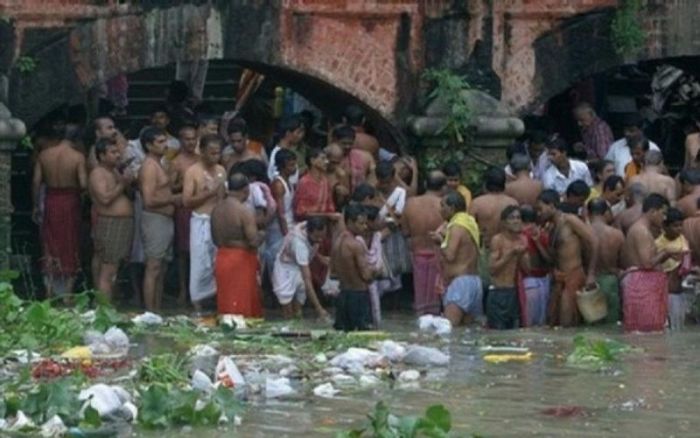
<point x="325" y="390"/>
<point x="277" y="387"/>
<point x="434" y="324"/>
<point x="227" y="368"/>
<point x="425" y="356"/>
<point x="147" y="318"/>
<point x="393" y="351"/>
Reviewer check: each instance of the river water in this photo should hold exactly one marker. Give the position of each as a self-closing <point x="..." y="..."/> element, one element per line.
<point x="650" y="393"/>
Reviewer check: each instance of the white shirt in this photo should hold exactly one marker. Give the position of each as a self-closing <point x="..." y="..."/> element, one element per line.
<point x="397" y="201"/>
<point x="272" y="172"/>
<point x="619" y="153"/>
<point x="553" y="179"/>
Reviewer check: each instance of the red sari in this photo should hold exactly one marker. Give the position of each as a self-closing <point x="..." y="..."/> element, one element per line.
<point x="314" y="196"/>
<point x="60" y="232"/>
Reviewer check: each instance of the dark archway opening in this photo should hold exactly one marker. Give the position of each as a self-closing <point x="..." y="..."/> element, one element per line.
<point x="616" y="93"/>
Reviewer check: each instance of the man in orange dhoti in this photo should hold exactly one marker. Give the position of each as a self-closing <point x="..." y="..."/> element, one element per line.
<point x="237" y="238"/>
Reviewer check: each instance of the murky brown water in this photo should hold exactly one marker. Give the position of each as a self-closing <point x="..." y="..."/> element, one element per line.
<point x="653" y="393"/>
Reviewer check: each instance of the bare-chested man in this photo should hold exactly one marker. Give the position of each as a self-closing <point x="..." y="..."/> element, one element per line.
<point x="523" y="188"/>
<point x="653" y="178"/>
<point x="240" y="147"/>
<point x="114" y="227"/>
<point x="690" y="191"/>
<point x="355" y="117"/>
<point x="508" y="257"/>
<point x="634" y="197"/>
<point x="62" y="170"/>
<point x="463" y="297"/>
<point x="610" y="241"/>
<point x="357" y="162"/>
<point x="104" y="128"/>
<point x="644" y="286"/>
<point x="570" y="237"/>
<point x="157" y="226"/>
<point x="204" y="186"/>
<point x="338" y="178"/>
<point x="487" y="208"/>
<point x="185" y="158"/>
<point x="349" y="264"/>
<point x="237" y="238"/>
<point x="420" y="219"/>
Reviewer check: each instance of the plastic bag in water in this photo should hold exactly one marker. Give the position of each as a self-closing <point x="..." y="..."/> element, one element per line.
<point x="425" y="356"/>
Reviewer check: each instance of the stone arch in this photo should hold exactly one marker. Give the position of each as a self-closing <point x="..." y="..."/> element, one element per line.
<point x="255" y="34"/>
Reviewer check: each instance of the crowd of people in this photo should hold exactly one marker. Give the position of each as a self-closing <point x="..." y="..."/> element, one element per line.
<point x="346" y="223"/>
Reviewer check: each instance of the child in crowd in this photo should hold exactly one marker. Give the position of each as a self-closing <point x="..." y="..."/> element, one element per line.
<point x="676" y="266"/>
<point x="376" y="231"/>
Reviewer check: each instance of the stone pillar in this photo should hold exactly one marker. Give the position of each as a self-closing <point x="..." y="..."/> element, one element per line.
<point x="11" y="131"/>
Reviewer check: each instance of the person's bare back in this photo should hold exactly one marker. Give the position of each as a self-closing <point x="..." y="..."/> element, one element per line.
<point x="639" y="248"/>
<point x="487" y="209"/>
<point x="62" y="167"/>
<point x="689" y="203"/>
<point x="524" y="189"/>
<point x="367" y="143"/>
<point x="656" y="182"/>
<point x="233" y="225"/>
<point x="628" y="217"/>
<point x="691" y="231"/>
<point x="610" y="241"/>
<point x="421" y="217"/>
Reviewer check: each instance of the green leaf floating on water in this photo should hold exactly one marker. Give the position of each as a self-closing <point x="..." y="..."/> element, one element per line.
<point x="596" y="353"/>
<point x="435" y="423"/>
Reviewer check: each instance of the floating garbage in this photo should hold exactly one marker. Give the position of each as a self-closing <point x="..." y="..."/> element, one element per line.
<point x="81" y="352"/>
<point x="425" y="356"/>
<point x="114" y="342"/>
<point x="106" y="400"/>
<point x="202" y="382"/>
<point x="21" y="422"/>
<point x="325" y="390"/>
<point x="504" y="357"/>
<point x="409" y="376"/>
<point x="278" y="387"/>
<point x="393" y="351"/>
<point x="236" y="322"/>
<point x="434" y="324"/>
<point x="369" y="380"/>
<point x="228" y="374"/>
<point x="54" y="427"/>
<point x="357" y="359"/>
<point x="147" y="318"/>
<point x="344" y="380"/>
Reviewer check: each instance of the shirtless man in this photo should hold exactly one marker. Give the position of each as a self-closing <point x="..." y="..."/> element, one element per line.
<point x="634" y="198"/>
<point x="523" y="188"/>
<point x="237" y="238"/>
<point x="241" y="148"/>
<point x="610" y="241"/>
<point x="462" y="300"/>
<point x="358" y="163"/>
<point x="61" y="168"/>
<point x="157" y="226"/>
<point x="487" y="208"/>
<point x="338" y="177"/>
<point x="349" y="264"/>
<point x="692" y="146"/>
<point x="203" y="187"/>
<point x="355" y="117"/>
<point x="653" y="178"/>
<point x="421" y="217"/>
<point x="570" y="237"/>
<point x="114" y="227"/>
<point x="104" y="128"/>
<point x="690" y="191"/>
<point x="644" y="287"/>
<point x="186" y="157"/>
<point x="508" y="257"/>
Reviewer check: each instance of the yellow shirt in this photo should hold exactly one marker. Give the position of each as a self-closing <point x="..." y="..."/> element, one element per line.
<point x="595" y="193"/>
<point x="466" y="194"/>
<point x="677" y="245"/>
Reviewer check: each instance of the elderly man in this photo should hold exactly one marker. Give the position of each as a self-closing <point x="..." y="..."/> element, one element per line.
<point x="596" y="135"/>
<point x="620" y="151"/>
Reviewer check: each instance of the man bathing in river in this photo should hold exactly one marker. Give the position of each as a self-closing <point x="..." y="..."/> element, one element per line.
<point x="569" y="238"/>
<point x="237" y="238"/>
<point x="610" y="241"/>
<point x="349" y="265"/>
<point x="459" y="247"/>
<point x="203" y="187"/>
<point x="114" y="227"/>
<point x="508" y="257"/>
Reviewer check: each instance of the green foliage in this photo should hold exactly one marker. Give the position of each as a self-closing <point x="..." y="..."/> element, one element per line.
<point x="627" y="34"/>
<point x="56" y="397"/>
<point x="163" y="406"/>
<point x="595" y="354"/>
<point x="164" y="368"/>
<point x="448" y="88"/>
<point x="26" y="64"/>
<point x="26" y="143"/>
<point x="435" y="423"/>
